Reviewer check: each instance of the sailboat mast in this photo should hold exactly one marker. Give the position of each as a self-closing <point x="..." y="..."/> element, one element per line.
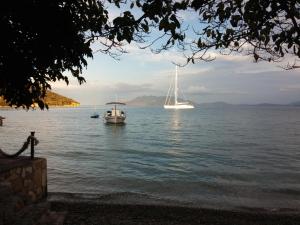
<point x="176" y="86"/>
<point x="177" y="105"/>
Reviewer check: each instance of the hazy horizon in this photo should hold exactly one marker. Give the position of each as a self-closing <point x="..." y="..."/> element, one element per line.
<point x="211" y="102"/>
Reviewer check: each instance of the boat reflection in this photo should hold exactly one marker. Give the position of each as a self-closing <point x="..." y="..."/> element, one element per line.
<point x="114" y="138"/>
<point x="175" y="128"/>
<point x="114" y="129"/>
<point x="176" y="120"/>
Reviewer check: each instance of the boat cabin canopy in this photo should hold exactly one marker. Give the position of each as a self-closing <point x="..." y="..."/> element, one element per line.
<point x="115" y="103"/>
<point x="117" y="112"/>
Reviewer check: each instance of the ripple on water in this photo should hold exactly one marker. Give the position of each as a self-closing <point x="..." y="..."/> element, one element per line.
<point x="241" y="156"/>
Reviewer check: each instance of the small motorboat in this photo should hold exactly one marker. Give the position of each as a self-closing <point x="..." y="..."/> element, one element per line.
<point x="115" y="116"/>
<point x="95" y="115"/>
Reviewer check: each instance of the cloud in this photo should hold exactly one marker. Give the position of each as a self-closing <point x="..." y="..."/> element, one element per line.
<point x="121" y="87"/>
<point x="225" y="57"/>
<point x="197" y="90"/>
<point x="131" y="88"/>
<point x="242" y="64"/>
<point x="202" y="90"/>
<point x="74" y="85"/>
<point x="143" y="56"/>
<point x="188" y="16"/>
<point x="99" y="92"/>
<point x="290" y="88"/>
<point x="146" y="55"/>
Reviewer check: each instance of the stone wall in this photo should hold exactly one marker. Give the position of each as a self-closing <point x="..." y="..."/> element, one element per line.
<point x="27" y="178"/>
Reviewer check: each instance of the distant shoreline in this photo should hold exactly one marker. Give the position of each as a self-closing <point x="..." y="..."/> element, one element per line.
<point x="50" y="106"/>
<point x="160" y="101"/>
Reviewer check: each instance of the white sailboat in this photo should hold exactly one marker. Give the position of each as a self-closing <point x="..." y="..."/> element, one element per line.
<point x="176" y="104"/>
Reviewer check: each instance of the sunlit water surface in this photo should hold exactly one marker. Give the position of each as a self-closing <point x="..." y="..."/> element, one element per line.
<point x="231" y="156"/>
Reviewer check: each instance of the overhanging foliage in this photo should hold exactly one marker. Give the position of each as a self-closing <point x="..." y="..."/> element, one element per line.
<point x="41" y="39"/>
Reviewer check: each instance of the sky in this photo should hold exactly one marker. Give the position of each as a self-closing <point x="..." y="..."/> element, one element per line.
<point x="233" y="79"/>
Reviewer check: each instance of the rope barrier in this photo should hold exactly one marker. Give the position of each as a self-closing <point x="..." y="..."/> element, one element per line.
<point x="31" y="139"/>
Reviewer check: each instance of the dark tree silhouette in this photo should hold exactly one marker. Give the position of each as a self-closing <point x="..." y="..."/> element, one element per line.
<point x="266" y="29"/>
<point x="41" y="39"/>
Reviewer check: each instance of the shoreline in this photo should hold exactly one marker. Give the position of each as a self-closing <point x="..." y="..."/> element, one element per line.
<point x="130" y="198"/>
<point x="112" y="210"/>
<point x="50" y="106"/>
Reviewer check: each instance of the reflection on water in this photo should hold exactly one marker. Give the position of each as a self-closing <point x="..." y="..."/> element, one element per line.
<point x="175" y="128"/>
<point x="245" y="156"/>
<point x="115" y="129"/>
<point x="176" y="119"/>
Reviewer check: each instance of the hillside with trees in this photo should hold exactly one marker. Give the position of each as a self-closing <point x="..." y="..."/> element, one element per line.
<point x="52" y="99"/>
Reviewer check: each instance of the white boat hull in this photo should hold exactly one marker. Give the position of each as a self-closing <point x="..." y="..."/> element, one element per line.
<point x="185" y="106"/>
<point x="115" y="119"/>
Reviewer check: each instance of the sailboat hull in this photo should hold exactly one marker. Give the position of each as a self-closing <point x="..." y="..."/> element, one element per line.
<point x="183" y="106"/>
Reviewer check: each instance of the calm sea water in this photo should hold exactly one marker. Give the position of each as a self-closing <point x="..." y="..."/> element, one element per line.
<point x="234" y="156"/>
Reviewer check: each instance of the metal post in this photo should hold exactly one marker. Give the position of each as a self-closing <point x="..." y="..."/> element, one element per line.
<point x="176" y="87"/>
<point x="1" y="120"/>
<point x="32" y="145"/>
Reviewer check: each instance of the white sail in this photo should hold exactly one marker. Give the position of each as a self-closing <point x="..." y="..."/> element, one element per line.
<point x="177" y="104"/>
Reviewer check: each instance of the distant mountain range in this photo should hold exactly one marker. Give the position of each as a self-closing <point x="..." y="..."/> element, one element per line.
<point x="151" y="101"/>
<point x="157" y="101"/>
<point x="147" y="101"/>
<point x="52" y="99"/>
<point x="295" y="103"/>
